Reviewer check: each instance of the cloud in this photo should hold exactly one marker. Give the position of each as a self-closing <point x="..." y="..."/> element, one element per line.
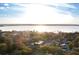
<point x="37" y="13"/>
<point x="42" y="14"/>
<point x="66" y="5"/>
<point x="1" y="8"/>
<point x="9" y="10"/>
<point x="62" y="5"/>
<point x="40" y="1"/>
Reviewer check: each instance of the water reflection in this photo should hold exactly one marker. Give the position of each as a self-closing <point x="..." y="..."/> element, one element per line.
<point x="42" y="28"/>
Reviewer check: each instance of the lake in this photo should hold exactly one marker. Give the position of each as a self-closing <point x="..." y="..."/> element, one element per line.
<point x="41" y="28"/>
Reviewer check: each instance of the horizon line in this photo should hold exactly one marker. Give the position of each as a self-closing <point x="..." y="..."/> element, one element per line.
<point x="39" y="24"/>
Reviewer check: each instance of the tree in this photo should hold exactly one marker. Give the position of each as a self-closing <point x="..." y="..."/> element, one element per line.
<point x="70" y="45"/>
<point x="22" y="51"/>
<point x="50" y="50"/>
<point x="3" y="48"/>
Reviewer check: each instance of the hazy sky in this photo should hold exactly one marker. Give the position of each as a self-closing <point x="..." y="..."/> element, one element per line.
<point x="39" y="13"/>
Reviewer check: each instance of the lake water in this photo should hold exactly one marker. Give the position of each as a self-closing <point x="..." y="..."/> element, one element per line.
<point x="42" y="28"/>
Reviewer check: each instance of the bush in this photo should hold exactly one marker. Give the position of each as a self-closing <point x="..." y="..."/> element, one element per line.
<point x="3" y="48"/>
<point x="50" y="50"/>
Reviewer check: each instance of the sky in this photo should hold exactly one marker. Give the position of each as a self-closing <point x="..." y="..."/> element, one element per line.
<point x="39" y="13"/>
